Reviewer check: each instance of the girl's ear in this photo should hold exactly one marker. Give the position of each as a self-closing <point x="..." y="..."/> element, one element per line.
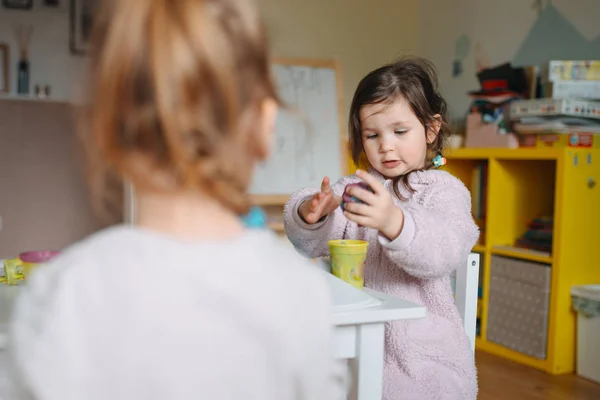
<point x="266" y="128"/>
<point x="434" y="128"/>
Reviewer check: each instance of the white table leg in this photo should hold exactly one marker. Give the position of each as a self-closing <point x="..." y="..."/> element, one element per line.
<point x="367" y="367"/>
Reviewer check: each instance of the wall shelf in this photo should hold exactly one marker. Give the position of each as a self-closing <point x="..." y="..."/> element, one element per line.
<point x="24" y="97"/>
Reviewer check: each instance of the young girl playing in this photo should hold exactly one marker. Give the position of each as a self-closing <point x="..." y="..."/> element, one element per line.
<point x="417" y="221"/>
<point x="187" y="304"/>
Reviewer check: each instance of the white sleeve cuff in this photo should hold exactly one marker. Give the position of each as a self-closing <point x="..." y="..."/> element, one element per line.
<point x="303" y="224"/>
<point x="405" y="237"/>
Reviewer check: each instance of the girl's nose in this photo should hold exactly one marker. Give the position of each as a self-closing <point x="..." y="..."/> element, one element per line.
<point x="386" y="146"/>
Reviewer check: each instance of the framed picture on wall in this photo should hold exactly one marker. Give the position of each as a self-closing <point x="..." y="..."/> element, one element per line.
<point x="18" y="4"/>
<point x="4" y="65"/>
<point x="82" y="13"/>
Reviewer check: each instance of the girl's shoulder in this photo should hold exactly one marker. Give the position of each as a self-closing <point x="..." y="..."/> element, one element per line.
<point x="436" y="180"/>
<point x="433" y="176"/>
<point x="421" y="181"/>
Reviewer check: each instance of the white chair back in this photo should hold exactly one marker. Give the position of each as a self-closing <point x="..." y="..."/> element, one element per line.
<point x="466" y="288"/>
<point x="465" y="285"/>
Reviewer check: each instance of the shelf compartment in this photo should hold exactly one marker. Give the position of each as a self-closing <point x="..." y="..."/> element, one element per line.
<point x="522" y="254"/>
<point x="463" y="169"/>
<point x="522" y="190"/>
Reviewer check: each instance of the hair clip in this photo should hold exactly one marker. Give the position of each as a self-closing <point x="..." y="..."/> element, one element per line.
<point x="438" y="161"/>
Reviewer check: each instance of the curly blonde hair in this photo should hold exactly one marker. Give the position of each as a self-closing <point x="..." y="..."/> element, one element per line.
<point x="176" y="87"/>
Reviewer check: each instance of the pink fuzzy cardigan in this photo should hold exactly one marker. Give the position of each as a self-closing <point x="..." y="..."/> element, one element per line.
<point x="428" y="358"/>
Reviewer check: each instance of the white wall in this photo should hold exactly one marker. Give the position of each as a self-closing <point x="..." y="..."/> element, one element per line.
<point x="362" y="34"/>
<point x="50" y="59"/>
<point x="499" y="27"/>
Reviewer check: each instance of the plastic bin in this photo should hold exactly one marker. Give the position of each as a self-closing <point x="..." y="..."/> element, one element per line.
<point x="586" y="302"/>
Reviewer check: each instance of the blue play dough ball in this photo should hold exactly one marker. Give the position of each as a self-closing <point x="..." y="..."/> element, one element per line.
<point x="256" y="218"/>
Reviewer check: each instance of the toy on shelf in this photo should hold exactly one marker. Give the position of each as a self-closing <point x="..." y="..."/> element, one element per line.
<point x="538" y="235"/>
<point x="487" y="124"/>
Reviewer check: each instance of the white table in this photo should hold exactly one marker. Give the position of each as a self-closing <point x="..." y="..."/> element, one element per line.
<point x="359" y="333"/>
<point x="359" y="336"/>
<point x="7" y="297"/>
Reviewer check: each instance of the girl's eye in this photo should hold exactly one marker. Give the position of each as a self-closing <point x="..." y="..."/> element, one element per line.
<point x="372" y="136"/>
<point x="401" y="131"/>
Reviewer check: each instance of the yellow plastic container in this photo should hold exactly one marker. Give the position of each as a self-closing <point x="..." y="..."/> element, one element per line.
<point x="348" y="260"/>
<point x="13" y="271"/>
<point x="27" y="268"/>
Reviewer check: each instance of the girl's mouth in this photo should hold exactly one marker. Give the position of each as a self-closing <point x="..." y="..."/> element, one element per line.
<point x="391" y="164"/>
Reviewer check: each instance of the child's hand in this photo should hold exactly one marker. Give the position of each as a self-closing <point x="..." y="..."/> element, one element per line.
<point x="320" y="205"/>
<point x="378" y="211"/>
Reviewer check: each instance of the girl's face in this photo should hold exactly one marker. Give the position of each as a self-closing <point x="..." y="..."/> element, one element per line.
<point x="393" y="138"/>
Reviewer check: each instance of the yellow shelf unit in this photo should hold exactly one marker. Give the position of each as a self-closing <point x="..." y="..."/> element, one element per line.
<point x="523" y="184"/>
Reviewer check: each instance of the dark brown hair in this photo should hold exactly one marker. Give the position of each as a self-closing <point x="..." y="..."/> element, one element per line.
<point x="414" y="80"/>
<point x="176" y="87"/>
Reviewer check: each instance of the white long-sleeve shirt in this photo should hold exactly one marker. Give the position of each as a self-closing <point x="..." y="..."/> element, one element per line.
<point x="131" y="314"/>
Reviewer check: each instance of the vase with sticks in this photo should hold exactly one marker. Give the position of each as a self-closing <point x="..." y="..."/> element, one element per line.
<point x="23" y="34"/>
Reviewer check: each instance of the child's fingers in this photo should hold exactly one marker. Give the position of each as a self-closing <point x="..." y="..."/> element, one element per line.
<point x="336" y="200"/>
<point x="322" y="203"/>
<point x="317" y="205"/>
<point x="329" y="202"/>
<point x="363" y="195"/>
<point x="359" y="219"/>
<point x="358" y="209"/>
<point x="371" y="181"/>
<point x="332" y="203"/>
<point x="311" y="218"/>
<point x="317" y="200"/>
<point x="325" y="185"/>
<point x="314" y="203"/>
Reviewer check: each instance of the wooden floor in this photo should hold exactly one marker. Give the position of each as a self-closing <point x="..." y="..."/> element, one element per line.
<point x="500" y="379"/>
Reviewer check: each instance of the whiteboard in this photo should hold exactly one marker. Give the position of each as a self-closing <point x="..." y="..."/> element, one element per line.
<point x="307" y="142"/>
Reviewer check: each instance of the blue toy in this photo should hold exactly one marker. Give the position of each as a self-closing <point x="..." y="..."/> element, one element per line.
<point x="255" y="219"/>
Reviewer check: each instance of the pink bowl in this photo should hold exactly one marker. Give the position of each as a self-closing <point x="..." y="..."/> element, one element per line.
<point x="38" y="257"/>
